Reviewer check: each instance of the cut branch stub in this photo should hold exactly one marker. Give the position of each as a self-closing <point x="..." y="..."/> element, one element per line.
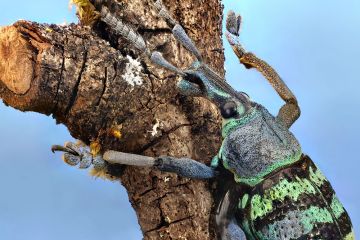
<point x="17" y="64"/>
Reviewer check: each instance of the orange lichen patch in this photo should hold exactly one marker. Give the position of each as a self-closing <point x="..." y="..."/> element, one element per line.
<point x="115" y="131"/>
<point x="16" y="64"/>
<point x="95" y="148"/>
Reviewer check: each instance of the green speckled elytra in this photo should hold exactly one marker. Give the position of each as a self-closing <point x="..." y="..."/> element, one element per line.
<point x="275" y="191"/>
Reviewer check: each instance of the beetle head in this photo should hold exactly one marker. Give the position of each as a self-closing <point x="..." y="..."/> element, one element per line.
<point x="199" y="80"/>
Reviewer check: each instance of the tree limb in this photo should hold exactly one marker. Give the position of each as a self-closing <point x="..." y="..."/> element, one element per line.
<point x="88" y="79"/>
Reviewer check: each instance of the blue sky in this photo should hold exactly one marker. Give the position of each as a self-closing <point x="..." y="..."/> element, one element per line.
<point x="314" y="45"/>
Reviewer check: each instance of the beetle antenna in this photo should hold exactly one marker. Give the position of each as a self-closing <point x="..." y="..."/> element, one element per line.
<point x="158" y="58"/>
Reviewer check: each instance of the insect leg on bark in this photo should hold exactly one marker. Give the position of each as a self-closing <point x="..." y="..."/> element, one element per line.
<point x="79" y="154"/>
<point x="136" y="39"/>
<point x="177" y="30"/>
<point x="290" y="111"/>
<point x="225" y="220"/>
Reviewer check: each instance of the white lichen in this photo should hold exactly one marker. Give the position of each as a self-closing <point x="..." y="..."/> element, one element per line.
<point x="154" y="130"/>
<point x="132" y="73"/>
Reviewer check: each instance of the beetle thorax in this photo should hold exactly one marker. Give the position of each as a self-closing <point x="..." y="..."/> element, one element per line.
<point x="257" y="145"/>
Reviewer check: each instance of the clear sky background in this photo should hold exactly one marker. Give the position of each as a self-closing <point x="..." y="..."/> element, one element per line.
<point x="314" y="45"/>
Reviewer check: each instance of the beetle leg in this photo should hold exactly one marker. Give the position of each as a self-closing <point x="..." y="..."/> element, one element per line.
<point x="177" y="30"/>
<point x="225" y="220"/>
<point x="136" y="39"/>
<point x="233" y="231"/>
<point x="290" y="111"/>
<point x="79" y="154"/>
<point x="184" y="167"/>
<point x="124" y="30"/>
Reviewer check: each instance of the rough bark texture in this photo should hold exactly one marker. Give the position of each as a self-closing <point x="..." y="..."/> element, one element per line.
<point x="80" y="76"/>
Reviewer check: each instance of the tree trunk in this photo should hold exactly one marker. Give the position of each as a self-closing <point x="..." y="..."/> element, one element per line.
<point x="94" y="83"/>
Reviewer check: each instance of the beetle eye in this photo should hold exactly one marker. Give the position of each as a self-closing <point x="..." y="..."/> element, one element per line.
<point x="229" y="110"/>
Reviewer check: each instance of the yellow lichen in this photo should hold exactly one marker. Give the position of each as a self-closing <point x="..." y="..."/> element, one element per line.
<point x="86" y="11"/>
<point x="115" y="131"/>
<point x="95" y="148"/>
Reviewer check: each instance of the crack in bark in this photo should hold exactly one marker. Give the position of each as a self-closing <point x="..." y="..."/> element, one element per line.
<point x="162" y="196"/>
<point x="181" y="219"/>
<point x="149" y="74"/>
<point x="145" y="192"/>
<point x="163" y="223"/>
<point x="103" y="117"/>
<point x="146" y="104"/>
<point x="104" y="83"/>
<point x="56" y="98"/>
<point x="76" y="87"/>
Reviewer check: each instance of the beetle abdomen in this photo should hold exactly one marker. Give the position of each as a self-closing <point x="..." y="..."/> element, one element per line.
<point x="296" y="202"/>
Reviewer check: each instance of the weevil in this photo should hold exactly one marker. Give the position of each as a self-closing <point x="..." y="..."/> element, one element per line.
<point x="275" y="190"/>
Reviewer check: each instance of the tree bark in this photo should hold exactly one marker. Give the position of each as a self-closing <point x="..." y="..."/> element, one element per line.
<point x="95" y="82"/>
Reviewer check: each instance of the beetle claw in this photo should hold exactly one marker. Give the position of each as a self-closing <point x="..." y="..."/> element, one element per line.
<point x="59" y="148"/>
<point x="233" y="23"/>
<point x="78" y="154"/>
